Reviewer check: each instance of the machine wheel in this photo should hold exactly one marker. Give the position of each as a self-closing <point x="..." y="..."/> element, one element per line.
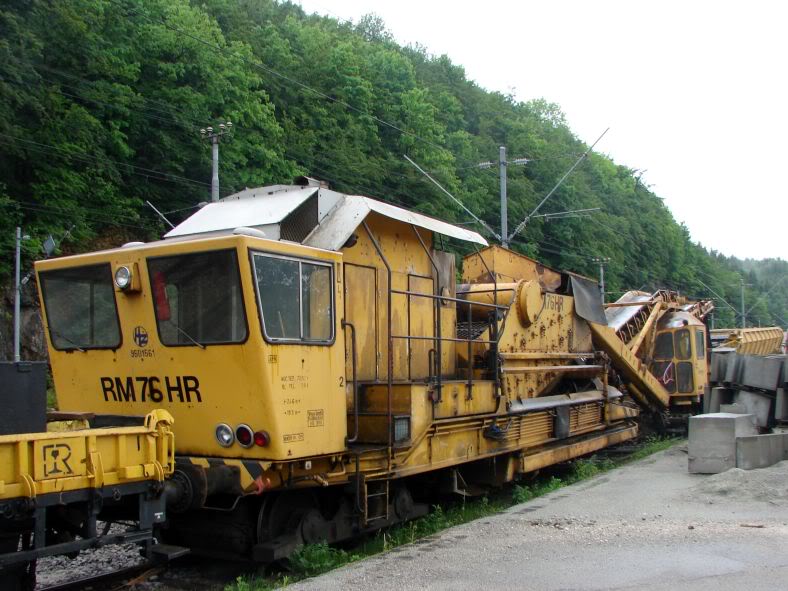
<point x="286" y="514"/>
<point x="403" y="504"/>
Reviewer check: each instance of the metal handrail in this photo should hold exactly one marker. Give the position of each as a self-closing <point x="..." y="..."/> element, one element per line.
<point x="346" y="324"/>
<point x="437" y="338"/>
<point x="437" y="325"/>
<point x="390" y="372"/>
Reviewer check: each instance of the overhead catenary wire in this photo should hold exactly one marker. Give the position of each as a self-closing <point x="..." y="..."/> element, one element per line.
<point x="558" y="184"/>
<point x="453" y="198"/>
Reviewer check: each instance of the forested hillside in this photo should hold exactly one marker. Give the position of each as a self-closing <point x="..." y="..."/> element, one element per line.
<point x="101" y="103"/>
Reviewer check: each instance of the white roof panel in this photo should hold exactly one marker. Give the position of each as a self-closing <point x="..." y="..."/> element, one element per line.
<point x="423" y="221"/>
<point x="235" y="212"/>
<point x="348" y="214"/>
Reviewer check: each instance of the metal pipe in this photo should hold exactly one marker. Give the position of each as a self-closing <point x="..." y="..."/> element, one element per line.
<point x="449" y="298"/>
<point x="18" y="298"/>
<point x="450" y="339"/>
<point x="469" y="394"/>
<point x="389" y="376"/>
<point x="437" y="324"/>
<point x="497" y="335"/>
<point x="346" y="324"/>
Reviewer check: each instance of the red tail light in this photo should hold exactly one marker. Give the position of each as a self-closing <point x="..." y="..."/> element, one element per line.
<point x="244" y="436"/>
<point x="262" y="438"/>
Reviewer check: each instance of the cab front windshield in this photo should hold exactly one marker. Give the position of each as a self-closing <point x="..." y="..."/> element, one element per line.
<point x="80" y="307"/>
<point x="197" y="298"/>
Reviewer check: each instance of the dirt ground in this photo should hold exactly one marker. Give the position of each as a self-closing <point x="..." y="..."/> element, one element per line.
<point x="648" y="525"/>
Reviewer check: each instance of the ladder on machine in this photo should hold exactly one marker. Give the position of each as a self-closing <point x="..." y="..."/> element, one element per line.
<point x="376" y="500"/>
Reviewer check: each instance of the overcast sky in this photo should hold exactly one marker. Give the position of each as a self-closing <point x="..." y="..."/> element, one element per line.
<point x="694" y="92"/>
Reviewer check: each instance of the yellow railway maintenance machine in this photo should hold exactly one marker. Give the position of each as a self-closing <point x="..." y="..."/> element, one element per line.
<point x="325" y="372"/>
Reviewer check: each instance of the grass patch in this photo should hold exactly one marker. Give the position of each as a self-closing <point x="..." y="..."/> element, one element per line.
<point x="316" y="559"/>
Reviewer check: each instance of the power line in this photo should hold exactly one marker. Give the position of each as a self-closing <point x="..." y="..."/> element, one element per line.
<point x="115" y="106"/>
<point x="166" y="108"/>
<point x="75" y="214"/>
<point x="273" y="72"/>
<point x="146" y="172"/>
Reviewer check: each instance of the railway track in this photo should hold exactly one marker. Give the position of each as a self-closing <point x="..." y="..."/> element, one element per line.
<point x="115" y="580"/>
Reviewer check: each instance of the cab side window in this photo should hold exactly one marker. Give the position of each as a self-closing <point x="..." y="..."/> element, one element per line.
<point x="295" y="298"/>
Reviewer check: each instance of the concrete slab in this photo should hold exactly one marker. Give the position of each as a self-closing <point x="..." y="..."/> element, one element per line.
<point x="736" y="408"/>
<point x="760" y="451"/>
<point x="757" y="404"/>
<point x="712" y="441"/>
<point x="761" y="372"/>
<point x="649" y="525"/>
<point x="719" y="396"/>
<point x="781" y="405"/>
<point x="719" y="362"/>
<point x="732" y="369"/>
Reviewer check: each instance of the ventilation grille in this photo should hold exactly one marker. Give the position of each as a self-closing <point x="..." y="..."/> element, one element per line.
<point x="300" y="222"/>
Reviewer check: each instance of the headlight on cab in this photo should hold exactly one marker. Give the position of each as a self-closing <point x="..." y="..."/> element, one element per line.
<point x="123" y="277"/>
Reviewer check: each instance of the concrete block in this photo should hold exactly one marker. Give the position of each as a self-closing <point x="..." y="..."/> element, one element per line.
<point x="761" y="372"/>
<point x="760" y="451"/>
<point x="712" y="441"/>
<point x="735" y="408"/>
<point x="757" y="404"/>
<point x="732" y="369"/>
<point x="785" y="371"/>
<point x="719" y="361"/>
<point x="719" y="396"/>
<point x="781" y="405"/>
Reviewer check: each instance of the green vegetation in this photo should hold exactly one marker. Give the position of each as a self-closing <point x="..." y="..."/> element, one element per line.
<point x="101" y="102"/>
<point x="315" y="559"/>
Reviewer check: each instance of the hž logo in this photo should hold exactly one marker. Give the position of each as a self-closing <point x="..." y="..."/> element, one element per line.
<point x="140" y="336"/>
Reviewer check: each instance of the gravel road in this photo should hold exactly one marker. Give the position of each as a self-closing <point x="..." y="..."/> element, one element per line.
<point x="648" y="525"/>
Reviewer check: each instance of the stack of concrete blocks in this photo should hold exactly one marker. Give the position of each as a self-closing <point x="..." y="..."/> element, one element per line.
<point x="724" y="440"/>
<point x="755" y="383"/>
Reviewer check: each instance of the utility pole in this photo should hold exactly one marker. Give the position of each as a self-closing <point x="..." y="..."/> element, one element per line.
<point x="504" y="207"/>
<point x="743" y="314"/>
<point x="503" y="164"/>
<point x="602" y="262"/>
<point x="214" y="137"/>
<point x="18" y="295"/>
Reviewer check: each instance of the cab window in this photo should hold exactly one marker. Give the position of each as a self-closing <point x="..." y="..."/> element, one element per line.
<point x="683" y="344"/>
<point x="295" y="298"/>
<point x="700" y="344"/>
<point x="684" y="377"/>
<point x="197" y="298"/>
<point x="663" y="349"/>
<point x="80" y="308"/>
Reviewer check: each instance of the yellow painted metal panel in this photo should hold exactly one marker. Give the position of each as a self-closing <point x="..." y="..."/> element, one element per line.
<point x="421" y="323"/>
<point x="361" y="310"/>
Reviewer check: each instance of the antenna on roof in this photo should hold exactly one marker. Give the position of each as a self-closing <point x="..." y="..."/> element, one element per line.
<point x="457" y="201"/>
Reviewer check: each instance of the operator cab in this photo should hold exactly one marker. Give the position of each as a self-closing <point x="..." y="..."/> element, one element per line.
<point x="679" y="356"/>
